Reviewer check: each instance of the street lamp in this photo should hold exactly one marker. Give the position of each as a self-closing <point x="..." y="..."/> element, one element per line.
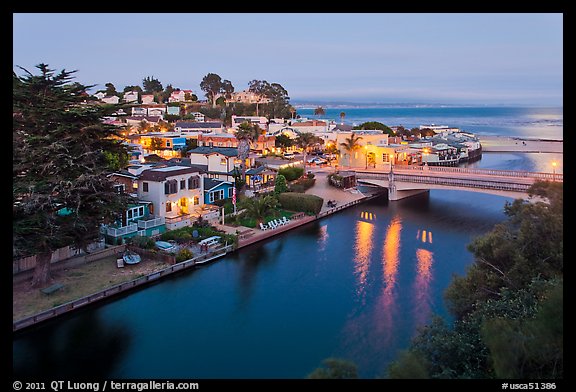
<point x="365" y="157"/>
<point x="554" y="171"/>
<point x="391" y="162"/>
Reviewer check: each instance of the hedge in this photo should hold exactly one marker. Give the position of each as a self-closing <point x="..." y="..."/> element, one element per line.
<point x="302" y="185"/>
<point x="301" y="202"/>
<point x="291" y="173"/>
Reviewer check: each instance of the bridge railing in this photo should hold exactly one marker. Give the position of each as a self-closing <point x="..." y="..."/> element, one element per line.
<point x="466" y="183"/>
<point x="485" y="172"/>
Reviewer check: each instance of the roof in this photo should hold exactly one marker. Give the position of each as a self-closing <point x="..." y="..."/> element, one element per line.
<point x="160" y="174"/>
<point x="211" y="183"/>
<point x="123" y="173"/>
<point x="343" y="127"/>
<point x="205" y="150"/>
<point x="218" y="135"/>
<point x="198" y="125"/>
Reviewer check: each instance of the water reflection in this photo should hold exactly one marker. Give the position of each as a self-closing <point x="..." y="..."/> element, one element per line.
<point x="386" y="304"/>
<point x="322" y="237"/>
<point x="363" y="251"/>
<point x="84" y="346"/>
<point x="422" y="299"/>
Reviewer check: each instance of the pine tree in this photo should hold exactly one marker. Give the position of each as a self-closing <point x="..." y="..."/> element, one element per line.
<point x="62" y="154"/>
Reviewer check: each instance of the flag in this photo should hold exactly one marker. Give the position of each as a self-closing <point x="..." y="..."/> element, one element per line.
<point x="234" y="195"/>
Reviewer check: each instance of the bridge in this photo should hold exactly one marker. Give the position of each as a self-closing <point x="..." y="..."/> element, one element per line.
<point x="406" y="181"/>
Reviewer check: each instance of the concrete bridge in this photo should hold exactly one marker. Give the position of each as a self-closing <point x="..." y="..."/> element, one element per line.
<point x="405" y="181"/>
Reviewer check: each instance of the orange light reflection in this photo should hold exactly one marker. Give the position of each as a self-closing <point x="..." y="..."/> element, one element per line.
<point x="363" y="250"/>
<point x="390" y="261"/>
<point x="422" y="285"/>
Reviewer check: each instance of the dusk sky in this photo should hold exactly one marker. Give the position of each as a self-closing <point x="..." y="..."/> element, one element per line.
<point x="387" y="58"/>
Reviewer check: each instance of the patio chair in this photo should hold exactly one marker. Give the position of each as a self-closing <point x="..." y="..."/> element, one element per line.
<point x="263" y="227"/>
<point x="285" y="220"/>
<point x="272" y="224"/>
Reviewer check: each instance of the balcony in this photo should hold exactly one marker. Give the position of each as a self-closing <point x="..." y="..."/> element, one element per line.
<point x="120" y="231"/>
<point x="178" y="221"/>
<point x="151" y="222"/>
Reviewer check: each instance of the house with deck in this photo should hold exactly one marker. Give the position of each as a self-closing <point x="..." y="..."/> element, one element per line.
<point x="219" y="161"/>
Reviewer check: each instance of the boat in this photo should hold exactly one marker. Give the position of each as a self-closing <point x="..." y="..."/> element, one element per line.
<point x="130" y="257"/>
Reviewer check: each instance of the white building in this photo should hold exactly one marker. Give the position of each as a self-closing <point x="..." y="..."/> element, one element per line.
<point x="262" y="122"/>
<point x="111" y="99"/>
<point x="131" y="96"/>
<point x="147" y="99"/>
<point x="175" y="192"/>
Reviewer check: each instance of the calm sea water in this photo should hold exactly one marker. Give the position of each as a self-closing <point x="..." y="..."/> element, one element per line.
<point x="354" y="285"/>
<point x="547" y="123"/>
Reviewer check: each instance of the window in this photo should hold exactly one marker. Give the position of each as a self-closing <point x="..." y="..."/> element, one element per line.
<point x="167" y="144"/>
<point x="385" y="158"/>
<point x="230" y="192"/>
<point x="183" y="202"/>
<point x="144" y="187"/>
<point x="129" y="214"/>
<point x="170" y="187"/>
<point x="141" y="211"/>
<point x="223" y="161"/>
<point x="168" y="206"/>
<point x="119" y="188"/>
<point x="193" y="182"/>
<point x="216" y="195"/>
<point x="134" y="185"/>
<point x="196" y="200"/>
<point x="182" y="184"/>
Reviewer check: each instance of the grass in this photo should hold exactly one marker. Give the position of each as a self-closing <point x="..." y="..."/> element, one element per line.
<point x="78" y="282"/>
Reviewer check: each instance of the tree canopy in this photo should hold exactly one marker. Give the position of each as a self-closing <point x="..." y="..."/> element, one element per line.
<point x="369" y="125"/>
<point x="151" y="85"/>
<point x="213" y="85"/>
<point x="62" y="153"/>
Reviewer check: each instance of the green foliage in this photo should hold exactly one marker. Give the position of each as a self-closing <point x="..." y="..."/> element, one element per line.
<point x="508" y="307"/>
<point x="335" y="368"/>
<point x="375" y="125"/>
<point x="302" y="185"/>
<point x="319" y="111"/>
<point x="409" y="365"/>
<point x="183" y="255"/>
<point x="213" y="85"/>
<point x="61" y="159"/>
<point x="258" y="207"/>
<point x="283" y="141"/>
<point x="280" y="185"/>
<point x="291" y="173"/>
<point x="155" y="143"/>
<point x="151" y="85"/>
<point x="141" y="242"/>
<point x="116" y="160"/>
<point x="172" y="117"/>
<point x="301" y="202"/>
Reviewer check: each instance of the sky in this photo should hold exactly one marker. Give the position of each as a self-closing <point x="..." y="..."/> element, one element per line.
<point x="475" y="58"/>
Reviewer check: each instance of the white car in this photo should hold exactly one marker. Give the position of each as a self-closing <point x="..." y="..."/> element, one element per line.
<point x="320" y="161"/>
<point x="289" y="155"/>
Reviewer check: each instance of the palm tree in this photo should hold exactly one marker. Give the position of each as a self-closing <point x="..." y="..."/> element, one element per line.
<point x="304" y="141"/>
<point x="350" y="145"/>
<point x="259" y="207"/>
<point x="342" y="115"/>
<point x="319" y="111"/>
<point x="246" y="134"/>
<point x="292" y="111"/>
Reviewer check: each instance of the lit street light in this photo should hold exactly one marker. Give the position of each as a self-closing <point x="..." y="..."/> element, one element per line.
<point x="391" y="162"/>
<point x="554" y="171"/>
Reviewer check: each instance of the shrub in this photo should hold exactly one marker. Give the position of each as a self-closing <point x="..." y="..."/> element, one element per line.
<point x="301" y="202"/>
<point x="302" y="185"/>
<point x="280" y="184"/>
<point x="310" y="175"/>
<point x="142" y="242"/>
<point x="291" y="173"/>
<point x="183" y="255"/>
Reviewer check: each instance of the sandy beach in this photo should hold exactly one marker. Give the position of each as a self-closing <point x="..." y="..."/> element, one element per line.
<point x="513" y="144"/>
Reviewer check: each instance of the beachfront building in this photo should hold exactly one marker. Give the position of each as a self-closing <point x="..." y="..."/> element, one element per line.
<point x="175" y="193"/>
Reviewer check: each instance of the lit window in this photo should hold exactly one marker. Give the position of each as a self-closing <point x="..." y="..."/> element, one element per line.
<point x="223" y="161"/>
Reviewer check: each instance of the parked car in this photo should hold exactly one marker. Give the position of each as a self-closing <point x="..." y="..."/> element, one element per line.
<point x="288" y="155"/>
<point x="320" y="161"/>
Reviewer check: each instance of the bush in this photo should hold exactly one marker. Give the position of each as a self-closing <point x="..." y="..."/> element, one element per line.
<point x="301" y="202"/>
<point x="183" y="255"/>
<point x="280" y="184"/>
<point x="291" y="173"/>
<point x="310" y="175"/>
<point x="142" y="242"/>
<point x="302" y="185"/>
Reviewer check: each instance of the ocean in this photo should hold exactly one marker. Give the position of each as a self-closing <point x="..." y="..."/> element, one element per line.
<point x="527" y="122"/>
